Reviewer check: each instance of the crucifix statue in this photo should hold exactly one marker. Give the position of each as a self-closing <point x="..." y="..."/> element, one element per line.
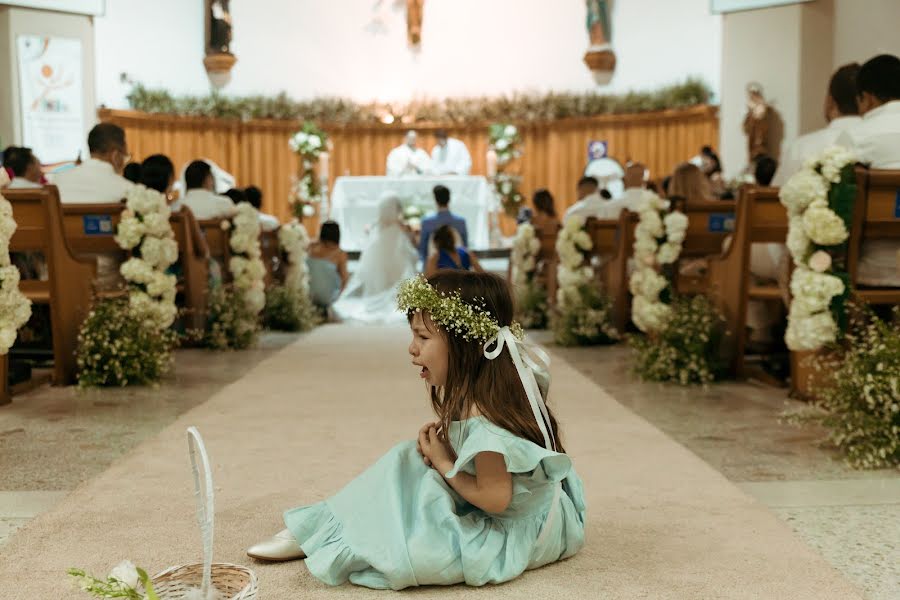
<point x="414" y="10"/>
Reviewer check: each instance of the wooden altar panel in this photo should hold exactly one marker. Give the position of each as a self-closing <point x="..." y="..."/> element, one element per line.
<point x="257" y="151"/>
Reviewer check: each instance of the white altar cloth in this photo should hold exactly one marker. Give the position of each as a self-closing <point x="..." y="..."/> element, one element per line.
<point x="354" y="203"/>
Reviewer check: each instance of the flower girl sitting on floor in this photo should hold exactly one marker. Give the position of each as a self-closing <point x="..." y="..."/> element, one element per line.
<point x="485" y="492"/>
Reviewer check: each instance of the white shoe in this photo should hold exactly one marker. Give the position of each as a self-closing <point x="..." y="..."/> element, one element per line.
<point x="281" y="547"/>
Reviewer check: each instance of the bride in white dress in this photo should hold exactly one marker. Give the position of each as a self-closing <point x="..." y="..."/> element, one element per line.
<point x="388" y="258"/>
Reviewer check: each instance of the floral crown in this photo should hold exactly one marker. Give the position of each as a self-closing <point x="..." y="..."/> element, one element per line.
<point x="471" y="321"/>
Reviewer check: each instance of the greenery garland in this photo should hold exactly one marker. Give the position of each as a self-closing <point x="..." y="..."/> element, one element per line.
<point x="520" y="108"/>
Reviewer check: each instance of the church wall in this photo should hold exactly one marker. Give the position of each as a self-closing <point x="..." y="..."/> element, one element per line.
<point x="865" y="28"/>
<point x="470" y="47"/>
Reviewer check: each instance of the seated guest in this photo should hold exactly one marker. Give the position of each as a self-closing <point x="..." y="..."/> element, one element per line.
<point x="158" y="173"/>
<point x="266" y="221"/>
<point x="132" y="172"/>
<point x="443" y="217"/>
<point x="448" y="255"/>
<point x="237" y="196"/>
<point x="524" y="216"/>
<point x="876" y="141"/>
<point x="841" y="113"/>
<point x="764" y="170"/>
<point x="591" y="202"/>
<point x="327" y="265"/>
<point x="200" y="198"/>
<point x="544" y="218"/>
<point x="634" y="192"/>
<point x="711" y="166"/>
<point x="25" y="167"/>
<point x="99" y="178"/>
<point x="690" y="185"/>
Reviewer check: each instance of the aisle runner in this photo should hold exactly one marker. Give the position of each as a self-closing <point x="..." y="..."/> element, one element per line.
<point x="662" y="524"/>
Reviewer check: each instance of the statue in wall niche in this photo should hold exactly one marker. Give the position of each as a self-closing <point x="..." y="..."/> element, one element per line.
<point x="218" y="60"/>
<point x="219" y="27"/>
<point x="600" y="58"/>
<point x="414" y="10"/>
<point x="763" y="127"/>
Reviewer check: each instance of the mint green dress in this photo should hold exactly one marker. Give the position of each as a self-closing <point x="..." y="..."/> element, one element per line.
<point x="399" y="524"/>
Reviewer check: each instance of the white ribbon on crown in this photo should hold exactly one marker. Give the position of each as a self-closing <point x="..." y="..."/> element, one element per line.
<point x="528" y="359"/>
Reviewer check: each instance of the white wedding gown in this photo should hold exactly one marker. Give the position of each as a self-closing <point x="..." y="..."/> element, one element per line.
<point x="387" y="259"/>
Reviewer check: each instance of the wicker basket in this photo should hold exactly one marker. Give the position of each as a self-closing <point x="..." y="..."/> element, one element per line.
<point x="232" y="582"/>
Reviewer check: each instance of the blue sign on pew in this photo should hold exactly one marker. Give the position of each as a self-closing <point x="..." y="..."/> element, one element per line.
<point x="97" y="224"/>
<point x="721" y="222"/>
<point x="897" y="206"/>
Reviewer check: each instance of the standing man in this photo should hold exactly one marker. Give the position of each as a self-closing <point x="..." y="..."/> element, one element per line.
<point x="431" y="223"/>
<point x="450" y="156"/>
<point x="407" y="159"/>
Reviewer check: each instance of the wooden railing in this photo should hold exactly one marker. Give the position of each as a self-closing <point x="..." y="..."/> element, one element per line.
<point x="257" y="151"/>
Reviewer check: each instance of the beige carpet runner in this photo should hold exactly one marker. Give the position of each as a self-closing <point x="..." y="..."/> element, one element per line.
<point x="662" y="524"/>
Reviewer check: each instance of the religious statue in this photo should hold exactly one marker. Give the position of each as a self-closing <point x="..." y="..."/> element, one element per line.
<point x="414" y="10"/>
<point x="218" y="60"/>
<point x="756" y="122"/>
<point x="600" y="58"/>
<point x="219" y="27"/>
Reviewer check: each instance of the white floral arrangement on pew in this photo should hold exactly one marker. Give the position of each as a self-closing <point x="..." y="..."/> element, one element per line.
<point x="819" y="201"/>
<point x="128" y="341"/>
<point x="309" y="143"/>
<point x="289" y="306"/>
<point x="235" y="308"/>
<point x="531" y="298"/>
<point x="582" y="314"/>
<point x="144" y="229"/>
<point x="15" y="308"/>
<point x="504" y="142"/>
<point x="683" y="335"/>
<point x="658" y="239"/>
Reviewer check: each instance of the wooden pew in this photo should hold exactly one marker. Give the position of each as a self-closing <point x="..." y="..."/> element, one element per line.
<point x="68" y="287"/>
<point x="217" y="241"/>
<point x="193" y="256"/>
<point x="760" y="218"/>
<point x="613" y="241"/>
<point x="271" y="256"/>
<point x="876" y="216"/>
<point x="709" y="223"/>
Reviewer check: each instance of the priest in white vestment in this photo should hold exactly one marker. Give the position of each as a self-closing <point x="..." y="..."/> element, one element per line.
<point x="450" y="156"/>
<point x="407" y="159"/>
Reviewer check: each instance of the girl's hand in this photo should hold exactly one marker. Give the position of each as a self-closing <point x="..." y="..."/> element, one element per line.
<point x="424" y="430"/>
<point x="436" y="451"/>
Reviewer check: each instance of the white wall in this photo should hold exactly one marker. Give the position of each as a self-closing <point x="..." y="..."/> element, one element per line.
<point x="865" y="28"/>
<point x="470" y="47"/>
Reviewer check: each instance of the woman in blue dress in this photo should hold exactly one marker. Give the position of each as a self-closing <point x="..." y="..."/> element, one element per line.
<point x="485" y="492"/>
<point x="447" y="254"/>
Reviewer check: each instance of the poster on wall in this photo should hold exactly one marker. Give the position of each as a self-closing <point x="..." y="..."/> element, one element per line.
<point x="51" y="96"/>
<point x="726" y="6"/>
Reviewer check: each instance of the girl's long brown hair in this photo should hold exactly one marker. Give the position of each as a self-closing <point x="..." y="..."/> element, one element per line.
<point x="492" y="387"/>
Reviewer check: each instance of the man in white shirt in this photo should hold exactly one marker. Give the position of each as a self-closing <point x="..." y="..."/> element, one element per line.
<point x="633" y="194"/>
<point x="407" y="159"/>
<point x="25" y="166"/>
<point x="200" y="197"/>
<point x="266" y="221"/>
<point x="450" y="156"/>
<point x="592" y="202"/>
<point x="99" y="178"/>
<point x="841" y="113"/>
<point x="876" y="141"/>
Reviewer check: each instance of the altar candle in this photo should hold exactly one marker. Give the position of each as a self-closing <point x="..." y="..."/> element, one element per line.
<point x="491" y="162"/>
<point x="323" y="166"/>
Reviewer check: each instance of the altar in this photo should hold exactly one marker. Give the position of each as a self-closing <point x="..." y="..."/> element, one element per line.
<point x="354" y="203"/>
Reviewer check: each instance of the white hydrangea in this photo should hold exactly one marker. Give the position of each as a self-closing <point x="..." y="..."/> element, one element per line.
<point x="797" y="241"/>
<point x="648" y="315"/>
<point x="812" y="292"/>
<point x="15" y="308"/>
<point x="822" y="225"/>
<point x="833" y="161"/>
<point x="810" y="333"/>
<point x="804" y="187"/>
